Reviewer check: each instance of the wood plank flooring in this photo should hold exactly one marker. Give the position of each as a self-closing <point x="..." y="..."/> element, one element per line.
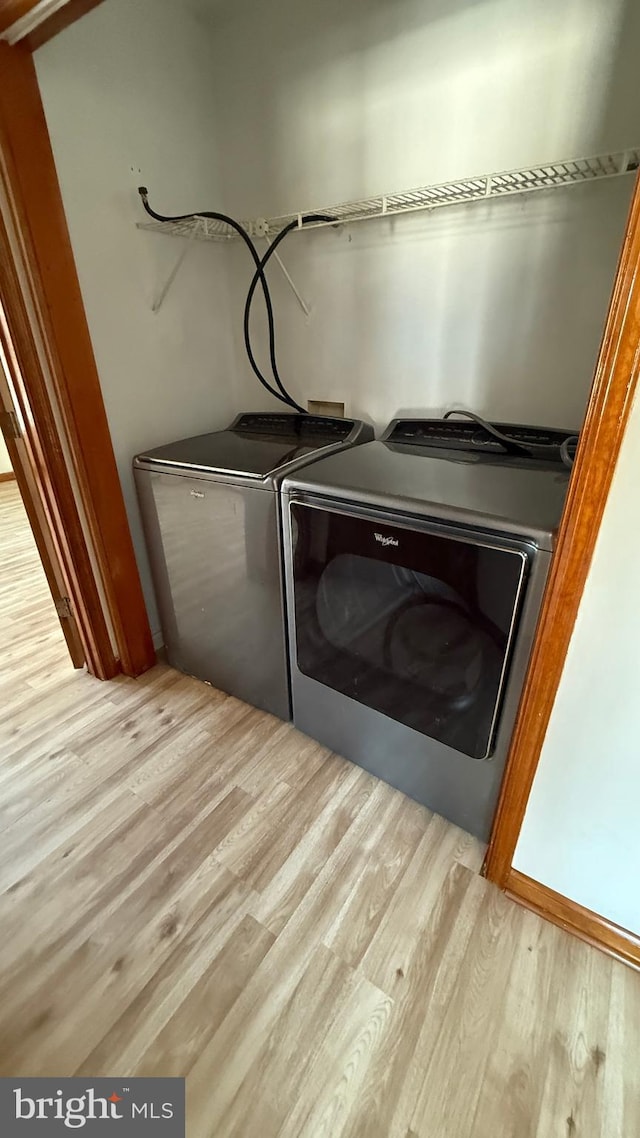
<point x="190" y="887"/>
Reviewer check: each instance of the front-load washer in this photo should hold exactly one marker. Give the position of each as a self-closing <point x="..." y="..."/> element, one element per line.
<point x="415" y="568"/>
<point x="210" y="511"/>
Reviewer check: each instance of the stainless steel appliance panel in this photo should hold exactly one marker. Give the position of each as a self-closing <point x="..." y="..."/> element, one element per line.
<point x="216" y="563"/>
<point x="463" y="491"/>
<point x="460" y="788"/>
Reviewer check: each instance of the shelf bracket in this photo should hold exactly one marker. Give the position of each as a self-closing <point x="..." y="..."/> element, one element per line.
<point x="261" y="230"/>
<point x="162" y="292"/>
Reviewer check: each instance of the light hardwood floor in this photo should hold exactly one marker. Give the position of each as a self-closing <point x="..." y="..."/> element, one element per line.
<point x="190" y="887"/>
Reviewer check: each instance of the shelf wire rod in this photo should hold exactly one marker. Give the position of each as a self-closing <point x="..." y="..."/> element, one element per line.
<point x="301" y="301"/>
<point x="161" y="295"/>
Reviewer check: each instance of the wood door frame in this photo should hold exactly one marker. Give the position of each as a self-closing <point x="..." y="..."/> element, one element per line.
<point x="33" y="23"/>
<point x="21" y="453"/>
<point x="610" y="402"/>
<point x="64" y="409"/>
<point x="43" y="475"/>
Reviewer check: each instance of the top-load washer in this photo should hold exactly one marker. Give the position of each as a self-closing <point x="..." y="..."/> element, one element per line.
<point x="210" y="510"/>
<point x="415" y="568"/>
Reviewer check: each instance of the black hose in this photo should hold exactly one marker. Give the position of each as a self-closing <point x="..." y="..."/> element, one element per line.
<point x="513" y="447"/>
<point x="284" y="397"/>
<point x="565" y="455"/>
<point x="510" y="445"/>
<point x="259" y="275"/>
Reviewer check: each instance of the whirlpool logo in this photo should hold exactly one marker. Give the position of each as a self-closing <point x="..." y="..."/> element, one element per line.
<point x="141" y="1108"/>
<point x="385" y="539"/>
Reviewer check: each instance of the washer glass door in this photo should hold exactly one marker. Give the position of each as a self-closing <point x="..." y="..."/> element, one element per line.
<point x="413" y="623"/>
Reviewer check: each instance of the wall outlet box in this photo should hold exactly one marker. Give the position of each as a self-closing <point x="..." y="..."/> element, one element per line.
<point x="325" y="407"/>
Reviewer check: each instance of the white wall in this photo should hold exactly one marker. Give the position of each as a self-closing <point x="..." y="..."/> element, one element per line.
<point x="127" y="97"/>
<point x="296" y="103"/>
<point x="499" y="307"/>
<point x="5" y="461"/>
<point x="581" y="832"/>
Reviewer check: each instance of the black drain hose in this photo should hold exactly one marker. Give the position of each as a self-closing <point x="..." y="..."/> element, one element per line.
<point x="284" y="396"/>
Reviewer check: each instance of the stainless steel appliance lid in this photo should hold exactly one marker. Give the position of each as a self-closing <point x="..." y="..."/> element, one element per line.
<point x="254" y="446"/>
<point x="522" y="501"/>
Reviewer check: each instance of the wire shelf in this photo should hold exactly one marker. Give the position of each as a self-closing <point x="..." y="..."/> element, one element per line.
<point x="200" y="228"/>
<point x="552" y="175"/>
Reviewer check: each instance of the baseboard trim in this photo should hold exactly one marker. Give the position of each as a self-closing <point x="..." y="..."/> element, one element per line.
<point x="7" y="476"/>
<point x="569" y="915"/>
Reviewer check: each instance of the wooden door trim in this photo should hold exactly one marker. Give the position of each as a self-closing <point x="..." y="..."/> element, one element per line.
<point x="8" y="476"/>
<point x="47" y="465"/>
<point x="574" y="918"/>
<point x="614" y="386"/>
<point x="38" y="216"/>
<point x="52" y="558"/>
<point x="20" y="21"/>
<point x="12" y="11"/>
